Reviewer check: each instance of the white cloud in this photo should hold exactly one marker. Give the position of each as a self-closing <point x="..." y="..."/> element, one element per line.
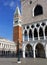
<point x="11" y="3"/>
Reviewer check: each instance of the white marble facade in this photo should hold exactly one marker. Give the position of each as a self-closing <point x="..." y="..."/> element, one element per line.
<point x="7" y="46"/>
<point x="34" y="25"/>
<point x="35" y="34"/>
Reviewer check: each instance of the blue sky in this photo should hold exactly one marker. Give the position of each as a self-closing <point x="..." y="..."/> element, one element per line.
<point x="7" y="8"/>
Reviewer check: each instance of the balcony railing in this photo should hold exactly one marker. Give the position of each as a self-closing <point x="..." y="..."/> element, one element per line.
<point x="30" y="39"/>
<point x="35" y="38"/>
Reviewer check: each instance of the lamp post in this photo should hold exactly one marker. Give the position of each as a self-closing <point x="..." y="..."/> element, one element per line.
<point x="18" y="52"/>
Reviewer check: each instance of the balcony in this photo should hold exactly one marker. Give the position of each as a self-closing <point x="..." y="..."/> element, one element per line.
<point x="35" y="38"/>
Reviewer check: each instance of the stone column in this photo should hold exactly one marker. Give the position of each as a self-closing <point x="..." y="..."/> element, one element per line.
<point x="44" y="33"/>
<point x="28" y="34"/>
<point x="28" y="37"/>
<point x="33" y="34"/>
<point x="34" y="53"/>
<point x="38" y="34"/>
<point x="23" y="51"/>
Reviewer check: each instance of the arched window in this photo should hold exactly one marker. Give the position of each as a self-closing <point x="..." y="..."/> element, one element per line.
<point x="41" y="33"/>
<point x="38" y="10"/>
<point x="25" y="35"/>
<point x="30" y="33"/>
<point x="46" y="31"/>
<point x="40" y="52"/>
<point x="35" y="33"/>
<point x="28" y="51"/>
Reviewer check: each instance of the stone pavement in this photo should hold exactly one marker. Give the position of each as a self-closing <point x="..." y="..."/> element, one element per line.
<point x="26" y="61"/>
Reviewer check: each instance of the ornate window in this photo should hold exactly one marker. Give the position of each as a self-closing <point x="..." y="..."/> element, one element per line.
<point x="41" y="33"/>
<point x="35" y="33"/>
<point x="27" y="27"/>
<point x="32" y="26"/>
<point x="30" y="33"/>
<point x="40" y="52"/>
<point x="38" y="10"/>
<point x="25" y="35"/>
<point x="28" y="51"/>
<point x="37" y="25"/>
<point x="43" y="24"/>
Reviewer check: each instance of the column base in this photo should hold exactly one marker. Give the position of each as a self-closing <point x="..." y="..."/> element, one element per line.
<point x="19" y="62"/>
<point x="24" y="54"/>
<point x="34" y="57"/>
<point x="23" y="57"/>
<point x="34" y="54"/>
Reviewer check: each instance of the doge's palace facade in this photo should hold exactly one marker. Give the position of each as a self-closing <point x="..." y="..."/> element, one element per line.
<point x="34" y="28"/>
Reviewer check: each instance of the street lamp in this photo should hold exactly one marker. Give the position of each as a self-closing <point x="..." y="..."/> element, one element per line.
<point x="18" y="52"/>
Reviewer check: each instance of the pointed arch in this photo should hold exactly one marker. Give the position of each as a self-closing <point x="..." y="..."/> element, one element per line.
<point x="28" y="51"/>
<point x="40" y="51"/>
<point x="30" y="33"/>
<point x="38" y="10"/>
<point x="25" y="35"/>
<point x="41" y="33"/>
<point x="35" y="33"/>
